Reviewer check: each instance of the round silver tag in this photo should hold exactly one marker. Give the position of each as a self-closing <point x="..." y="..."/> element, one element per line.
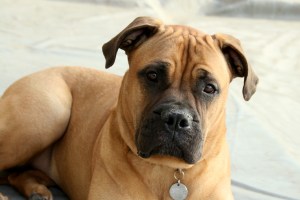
<point x="178" y="191"/>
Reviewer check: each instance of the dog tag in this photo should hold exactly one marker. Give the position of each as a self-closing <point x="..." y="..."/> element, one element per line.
<point x="178" y="191"/>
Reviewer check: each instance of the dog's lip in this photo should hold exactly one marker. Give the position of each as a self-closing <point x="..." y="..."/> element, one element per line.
<point x="147" y="154"/>
<point x="156" y="151"/>
<point x="144" y="154"/>
<point x="190" y="160"/>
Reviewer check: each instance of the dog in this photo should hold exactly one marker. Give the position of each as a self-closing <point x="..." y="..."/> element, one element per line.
<point x="159" y="132"/>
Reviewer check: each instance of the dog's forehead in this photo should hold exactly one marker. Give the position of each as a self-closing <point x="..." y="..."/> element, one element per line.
<point x="183" y="30"/>
<point x="182" y="41"/>
<point x="181" y="47"/>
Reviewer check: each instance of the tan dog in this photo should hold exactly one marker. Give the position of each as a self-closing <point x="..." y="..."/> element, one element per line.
<point x="99" y="136"/>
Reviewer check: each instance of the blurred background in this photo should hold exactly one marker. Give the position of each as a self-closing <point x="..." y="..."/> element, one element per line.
<point x="263" y="134"/>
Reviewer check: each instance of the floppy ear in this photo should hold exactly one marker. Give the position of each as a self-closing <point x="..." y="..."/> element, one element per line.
<point x="133" y="35"/>
<point x="237" y="62"/>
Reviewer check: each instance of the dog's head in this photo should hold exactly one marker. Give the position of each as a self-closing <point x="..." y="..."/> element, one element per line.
<point x="176" y="87"/>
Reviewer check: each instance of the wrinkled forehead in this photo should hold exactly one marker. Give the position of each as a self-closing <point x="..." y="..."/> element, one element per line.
<point x="181" y="47"/>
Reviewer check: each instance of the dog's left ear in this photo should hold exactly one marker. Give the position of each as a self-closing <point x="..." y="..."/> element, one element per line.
<point x="132" y="36"/>
<point x="234" y="55"/>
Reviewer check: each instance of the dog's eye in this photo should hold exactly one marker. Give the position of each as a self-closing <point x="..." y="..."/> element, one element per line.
<point x="209" y="89"/>
<point x="152" y="76"/>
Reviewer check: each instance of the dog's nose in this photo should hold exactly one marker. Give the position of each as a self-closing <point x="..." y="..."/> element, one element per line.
<point x="177" y="119"/>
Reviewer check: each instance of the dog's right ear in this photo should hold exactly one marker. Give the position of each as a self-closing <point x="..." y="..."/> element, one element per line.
<point x="132" y="36"/>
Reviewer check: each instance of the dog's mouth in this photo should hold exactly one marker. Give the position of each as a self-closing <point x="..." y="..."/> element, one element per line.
<point x="170" y="132"/>
<point x="169" y="150"/>
<point x="189" y="156"/>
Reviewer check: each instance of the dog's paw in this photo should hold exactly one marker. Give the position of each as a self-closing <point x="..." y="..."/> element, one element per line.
<point x="36" y="196"/>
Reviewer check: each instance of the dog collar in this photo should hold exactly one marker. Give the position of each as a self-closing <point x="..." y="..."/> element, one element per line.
<point x="178" y="191"/>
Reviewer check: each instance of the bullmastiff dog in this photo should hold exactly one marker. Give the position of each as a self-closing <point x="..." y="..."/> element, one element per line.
<point x="157" y="133"/>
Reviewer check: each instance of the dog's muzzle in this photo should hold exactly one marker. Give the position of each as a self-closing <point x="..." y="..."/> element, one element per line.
<point x="173" y="129"/>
